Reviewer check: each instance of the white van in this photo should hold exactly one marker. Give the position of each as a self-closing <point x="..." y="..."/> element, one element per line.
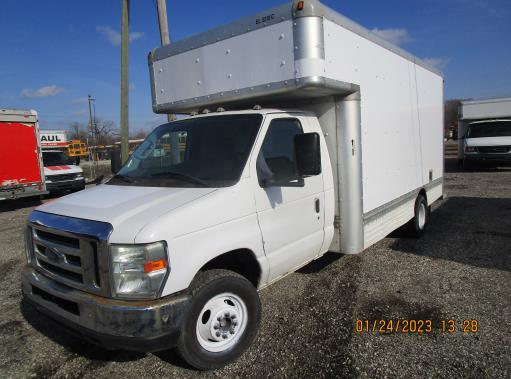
<point x="487" y="142"/>
<point x="485" y="133"/>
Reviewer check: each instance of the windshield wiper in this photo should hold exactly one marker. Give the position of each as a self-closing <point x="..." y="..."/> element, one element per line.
<point x="123" y="178"/>
<point x="184" y="177"/>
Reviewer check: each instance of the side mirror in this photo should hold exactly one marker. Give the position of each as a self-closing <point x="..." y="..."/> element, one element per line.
<point x="307" y="154"/>
<point x="115" y="161"/>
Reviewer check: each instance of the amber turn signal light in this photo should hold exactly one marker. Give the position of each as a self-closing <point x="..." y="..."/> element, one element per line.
<point x="155" y="265"/>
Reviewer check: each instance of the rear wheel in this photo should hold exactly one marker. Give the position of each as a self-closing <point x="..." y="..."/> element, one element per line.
<point x="222" y="320"/>
<point x="417" y="224"/>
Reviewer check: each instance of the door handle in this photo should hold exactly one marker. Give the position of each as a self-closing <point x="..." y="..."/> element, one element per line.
<point x="316" y="205"/>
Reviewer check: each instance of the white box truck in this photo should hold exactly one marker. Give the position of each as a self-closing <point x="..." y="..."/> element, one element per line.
<point x="308" y="133"/>
<point x="485" y="133"/>
<point x="61" y="171"/>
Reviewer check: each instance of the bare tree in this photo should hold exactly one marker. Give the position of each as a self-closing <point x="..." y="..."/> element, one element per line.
<point x="451" y="113"/>
<point x="78" y="130"/>
<point x="105" y="132"/>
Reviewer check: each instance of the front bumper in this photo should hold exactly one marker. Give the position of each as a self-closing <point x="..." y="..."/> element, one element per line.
<point x="66" y="185"/>
<point x="12" y="193"/>
<point x="150" y="325"/>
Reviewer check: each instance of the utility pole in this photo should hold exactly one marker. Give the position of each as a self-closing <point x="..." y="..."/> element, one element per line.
<point x="92" y="123"/>
<point x="124" y="81"/>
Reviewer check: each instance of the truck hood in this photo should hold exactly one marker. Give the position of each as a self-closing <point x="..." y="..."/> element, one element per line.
<point x="126" y="208"/>
<point x="489" y="141"/>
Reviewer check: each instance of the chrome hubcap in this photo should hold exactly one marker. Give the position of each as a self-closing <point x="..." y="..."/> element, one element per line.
<point x="221" y="322"/>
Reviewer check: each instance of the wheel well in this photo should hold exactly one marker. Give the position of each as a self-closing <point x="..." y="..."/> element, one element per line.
<point x="241" y="261"/>
<point x="423" y="193"/>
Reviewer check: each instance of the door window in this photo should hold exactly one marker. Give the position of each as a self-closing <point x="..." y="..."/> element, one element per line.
<point x="276" y="160"/>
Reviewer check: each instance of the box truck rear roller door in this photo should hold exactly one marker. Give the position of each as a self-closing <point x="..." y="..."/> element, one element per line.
<point x="18" y="153"/>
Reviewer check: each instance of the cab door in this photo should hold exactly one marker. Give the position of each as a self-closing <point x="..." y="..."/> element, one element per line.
<point x="290" y="211"/>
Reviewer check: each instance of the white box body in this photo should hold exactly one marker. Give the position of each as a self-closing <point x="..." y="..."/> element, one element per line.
<point x="314" y="60"/>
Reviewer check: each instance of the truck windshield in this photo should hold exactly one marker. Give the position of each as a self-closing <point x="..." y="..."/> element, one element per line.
<point x="196" y="152"/>
<point x="489" y="129"/>
<point x="55" y="158"/>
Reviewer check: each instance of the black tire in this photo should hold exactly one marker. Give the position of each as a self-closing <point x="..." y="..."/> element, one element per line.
<point x="419" y="222"/>
<point x="206" y="286"/>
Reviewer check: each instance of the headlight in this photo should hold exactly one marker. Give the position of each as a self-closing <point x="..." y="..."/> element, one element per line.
<point x="138" y="271"/>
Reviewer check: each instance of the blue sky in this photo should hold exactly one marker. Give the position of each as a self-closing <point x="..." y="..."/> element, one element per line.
<point x="55" y="52"/>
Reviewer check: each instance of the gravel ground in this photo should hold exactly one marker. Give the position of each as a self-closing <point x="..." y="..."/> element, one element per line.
<point x="459" y="270"/>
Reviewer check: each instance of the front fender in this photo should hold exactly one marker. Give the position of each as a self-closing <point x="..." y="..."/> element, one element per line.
<point x="189" y="253"/>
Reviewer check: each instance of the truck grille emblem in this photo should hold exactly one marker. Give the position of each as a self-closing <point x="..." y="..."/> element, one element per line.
<point x="54" y="255"/>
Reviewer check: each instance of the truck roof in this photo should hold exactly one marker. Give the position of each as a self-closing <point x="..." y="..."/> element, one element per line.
<point x="18" y="115"/>
<point x="487" y="101"/>
<point x="498" y="108"/>
<point x="27" y="112"/>
<point x="262" y="111"/>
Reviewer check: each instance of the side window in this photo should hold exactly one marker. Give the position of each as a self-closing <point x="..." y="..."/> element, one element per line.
<point x="276" y="160"/>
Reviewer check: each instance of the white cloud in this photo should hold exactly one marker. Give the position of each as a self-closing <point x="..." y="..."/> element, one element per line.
<point x="439" y="63"/>
<point x="114" y="37"/>
<point x="81" y="100"/>
<point x="46" y="91"/>
<point x="397" y="36"/>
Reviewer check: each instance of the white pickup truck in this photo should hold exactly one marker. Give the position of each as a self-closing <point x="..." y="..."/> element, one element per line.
<point x="333" y="138"/>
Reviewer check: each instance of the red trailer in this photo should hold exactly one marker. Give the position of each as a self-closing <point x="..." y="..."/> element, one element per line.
<point x="21" y="164"/>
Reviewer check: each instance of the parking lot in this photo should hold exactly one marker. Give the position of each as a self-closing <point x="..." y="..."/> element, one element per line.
<point x="460" y="270"/>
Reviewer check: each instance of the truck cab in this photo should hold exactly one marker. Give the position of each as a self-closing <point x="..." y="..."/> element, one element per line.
<point x="61" y="173"/>
<point x="240" y="200"/>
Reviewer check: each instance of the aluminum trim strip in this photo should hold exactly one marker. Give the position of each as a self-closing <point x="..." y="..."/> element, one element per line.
<point x="291" y="86"/>
<point x="377" y="212"/>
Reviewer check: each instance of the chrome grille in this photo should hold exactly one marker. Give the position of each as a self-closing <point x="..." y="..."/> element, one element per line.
<point x="69" y="259"/>
<point x="494" y="149"/>
<point x="62" y="177"/>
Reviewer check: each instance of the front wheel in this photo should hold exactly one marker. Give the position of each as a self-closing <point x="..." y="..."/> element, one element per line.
<point x="222" y="320"/>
